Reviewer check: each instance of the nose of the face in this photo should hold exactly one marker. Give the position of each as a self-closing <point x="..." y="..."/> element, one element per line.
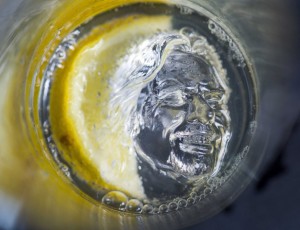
<point x="200" y="111"/>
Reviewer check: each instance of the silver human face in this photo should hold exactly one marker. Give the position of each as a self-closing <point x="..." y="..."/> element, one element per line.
<point x="182" y="124"/>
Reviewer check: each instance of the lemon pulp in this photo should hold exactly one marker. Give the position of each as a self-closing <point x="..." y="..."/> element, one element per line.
<point x="96" y="145"/>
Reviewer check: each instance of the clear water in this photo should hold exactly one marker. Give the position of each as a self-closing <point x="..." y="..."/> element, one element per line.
<point x="185" y="99"/>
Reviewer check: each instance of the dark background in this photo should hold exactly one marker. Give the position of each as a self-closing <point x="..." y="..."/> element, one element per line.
<point x="272" y="200"/>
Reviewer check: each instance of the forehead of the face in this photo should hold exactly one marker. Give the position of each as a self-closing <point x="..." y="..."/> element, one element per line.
<point x="188" y="69"/>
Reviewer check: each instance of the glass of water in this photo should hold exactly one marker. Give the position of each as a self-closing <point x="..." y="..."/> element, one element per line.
<point x="133" y="114"/>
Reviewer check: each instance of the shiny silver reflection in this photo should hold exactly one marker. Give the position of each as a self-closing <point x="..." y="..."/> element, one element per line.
<point x="179" y="121"/>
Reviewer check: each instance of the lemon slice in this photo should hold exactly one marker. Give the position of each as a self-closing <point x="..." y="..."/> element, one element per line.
<point x="97" y="146"/>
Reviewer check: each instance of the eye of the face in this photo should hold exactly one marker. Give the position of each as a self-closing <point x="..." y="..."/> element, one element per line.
<point x="213" y="97"/>
<point x="172" y="97"/>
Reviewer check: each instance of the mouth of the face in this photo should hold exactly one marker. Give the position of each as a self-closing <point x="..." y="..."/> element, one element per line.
<point x="195" y="149"/>
<point x="192" y="149"/>
<point x="194" y="143"/>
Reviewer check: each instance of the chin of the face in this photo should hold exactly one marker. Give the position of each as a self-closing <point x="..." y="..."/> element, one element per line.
<point x="190" y="158"/>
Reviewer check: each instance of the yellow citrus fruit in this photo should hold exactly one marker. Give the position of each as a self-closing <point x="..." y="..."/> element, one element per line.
<point x="97" y="146"/>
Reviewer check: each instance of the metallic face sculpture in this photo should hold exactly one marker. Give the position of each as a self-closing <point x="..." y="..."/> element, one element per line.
<point x="181" y="123"/>
<point x="173" y="91"/>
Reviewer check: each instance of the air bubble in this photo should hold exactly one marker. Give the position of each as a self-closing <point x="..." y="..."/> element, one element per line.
<point x="211" y="25"/>
<point x="253" y="126"/>
<point x="193" y="194"/>
<point x="227" y="38"/>
<point x="182" y="203"/>
<point x="222" y="35"/>
<point x="64" y="168"/>
<point x="134" y="205"/>
<point x="147" y="208"/>
<point x="52" y="67"/>
<point x="163" y="208"/>
<point x="222" y="181"/>
<point x="202" y="197"/>
<point x="210" y="181"/>
<point x="115" y="199"/>
<point x="185" y="10"/>
<point x="46" y="127"/>
<point x="196" y="199"/>
<point x="207" y="191"/>
<point x="52" y="147"/>
<point x="61" y="54"/>
<point x="155" y="211"/>
<point x="190" y="201"/>
<point x="219" y="184"/>
<point x="245" y="152"/>
<point x="214" y="186"/>
<point x="173" y="206"/>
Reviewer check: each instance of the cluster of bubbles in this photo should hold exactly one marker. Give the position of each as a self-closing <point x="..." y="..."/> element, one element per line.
<point x="119" y="201"/>
<point x="56" y="61"/>
<point x="185" y="10"/>
<point x="60" y="53"/>
<point x="253" y="126"/>
<point x="219" y="32"/>
<point x="54" y="151"/>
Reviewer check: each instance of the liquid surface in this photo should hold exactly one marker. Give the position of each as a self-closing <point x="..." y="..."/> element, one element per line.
<point x="146" y="109"/>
